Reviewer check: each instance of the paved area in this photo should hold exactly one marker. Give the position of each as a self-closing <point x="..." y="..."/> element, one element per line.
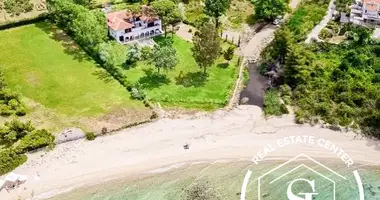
<point x="184" y="33"/>
<point x="376" y="33"/>
<point x="315" y="32"/>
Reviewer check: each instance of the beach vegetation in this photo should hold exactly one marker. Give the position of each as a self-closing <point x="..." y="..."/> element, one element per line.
<point x="90" y="136"/>
<point x="273" y="104"/>
<point x="17" y="138"/>
<point x="201" y="191"/>
<point x="9" y="160"/>
<point x="35" y="140"/>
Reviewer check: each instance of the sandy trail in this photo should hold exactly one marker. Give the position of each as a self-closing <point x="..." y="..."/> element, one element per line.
<point x="238" y="134"/>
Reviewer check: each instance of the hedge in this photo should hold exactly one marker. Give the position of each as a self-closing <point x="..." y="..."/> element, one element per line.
<point x="25" y="21"/>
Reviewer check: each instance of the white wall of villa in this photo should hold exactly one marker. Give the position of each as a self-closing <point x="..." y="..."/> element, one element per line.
<point x="141" y="30"/>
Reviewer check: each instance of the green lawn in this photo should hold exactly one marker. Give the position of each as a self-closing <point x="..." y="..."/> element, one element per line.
<point x="48" y="69"/>
<point x="194" y="91"/>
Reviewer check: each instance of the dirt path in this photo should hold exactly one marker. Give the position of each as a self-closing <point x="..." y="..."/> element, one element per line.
<point x="255" y="88"/>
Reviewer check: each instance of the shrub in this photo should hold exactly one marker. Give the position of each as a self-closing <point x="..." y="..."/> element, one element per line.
<point x="190" y="30"/>
<point x="14" y="130"/>
<point x="5" y="111"/>
<point x="229" y="53"/>
<point x="146" y="53"/>
<point x="137" y="93"/>
<point x="21" y="111"/>
<point x="285" y="90"/>
<point x="35" y="140"/>
<point x="90" y="136"/>
<point x="9" y="160"/>
<point x="272" y="104"/>
<point x="325" y="34"/>
<point x="104" y="130"/>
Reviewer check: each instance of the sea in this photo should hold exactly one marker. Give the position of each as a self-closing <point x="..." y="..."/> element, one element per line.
<point x="307" y="180"/>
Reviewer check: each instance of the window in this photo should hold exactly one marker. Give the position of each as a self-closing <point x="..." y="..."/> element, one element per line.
<point x="128" y="30"/>
<point x="121" y="39"/>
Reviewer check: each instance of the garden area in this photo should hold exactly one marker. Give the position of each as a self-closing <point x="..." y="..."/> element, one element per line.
<point x="18" y="10"/>
<point x="186" y="85"/>
<point x="239" y="13"/>
<point x="60" y="85"/>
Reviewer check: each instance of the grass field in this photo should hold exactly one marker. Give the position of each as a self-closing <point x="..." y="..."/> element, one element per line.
<point x="194" y="90"/>
<point x="57" y="79"/>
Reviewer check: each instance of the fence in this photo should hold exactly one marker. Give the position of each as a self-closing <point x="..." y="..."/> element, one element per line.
<point x="232" y="37"/>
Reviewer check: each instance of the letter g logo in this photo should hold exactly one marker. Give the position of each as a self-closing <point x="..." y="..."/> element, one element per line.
<point x="307" y="196"/>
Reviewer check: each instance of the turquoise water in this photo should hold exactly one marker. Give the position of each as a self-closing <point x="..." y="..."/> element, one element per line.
<point x="225" y="181"/>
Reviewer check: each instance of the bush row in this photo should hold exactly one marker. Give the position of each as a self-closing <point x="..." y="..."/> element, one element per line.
<point x="10" y="102"/>
<point x="25" y="21"/>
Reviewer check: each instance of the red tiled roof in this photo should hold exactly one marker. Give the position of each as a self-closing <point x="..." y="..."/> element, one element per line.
<point x="371" y="5"/>
<point x="121" y="19"/>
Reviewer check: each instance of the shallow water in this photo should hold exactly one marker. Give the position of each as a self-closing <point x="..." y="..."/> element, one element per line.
<point x="226" y="181"/>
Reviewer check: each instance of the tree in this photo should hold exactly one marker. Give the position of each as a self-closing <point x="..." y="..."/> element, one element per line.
<point x="168" y="11"/>
<point x="133" y="54"/>
<point x="216" y="8"/>
<point x="270" y="9"/>
<point x="164" y="57"/>
<point x="14" y="130"/>
<point x="283" y="39"/>
<point x="88" y="27"/>
<point x="112" y="53"/>
<point x="87" y="3"/>
<point x="229" y="53"/>
<point x="206" y="47"/>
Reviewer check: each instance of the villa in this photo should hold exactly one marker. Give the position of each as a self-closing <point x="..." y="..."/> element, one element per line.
<point x="365" y="12"/>
<point x="126" y="27"/>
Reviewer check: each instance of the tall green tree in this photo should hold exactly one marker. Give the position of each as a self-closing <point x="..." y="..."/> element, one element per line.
<point x="216" y="8"/>
<point x="168" y="11"/>
<point x="164" y="57"/>
<point x="206" y="47"/>
<point x="87" y="26"/>
<point x="112" y="54"/>
<point x="270" y="9"/>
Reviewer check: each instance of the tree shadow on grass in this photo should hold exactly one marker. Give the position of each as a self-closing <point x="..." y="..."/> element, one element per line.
<point x="104" y="76"/>
<point x="70" y="47"/>
<point x="223" y="65"/>
<point x="153" y="80"/>
<point x="196" y="79"/>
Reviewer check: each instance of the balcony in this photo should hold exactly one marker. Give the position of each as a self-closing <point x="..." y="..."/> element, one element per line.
<point x="142" y="33"/>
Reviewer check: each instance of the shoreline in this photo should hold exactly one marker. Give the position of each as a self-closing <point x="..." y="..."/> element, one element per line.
<point x="235" y="135"/>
